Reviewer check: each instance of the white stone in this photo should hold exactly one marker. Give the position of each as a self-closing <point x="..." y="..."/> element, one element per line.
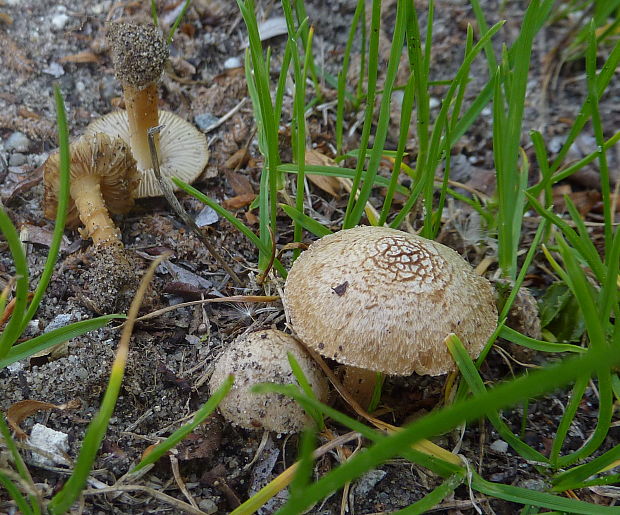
<point x="53" y="442"/>
<point x="17" y="142"/>
<point x="499" y="446"/>
<point x="232" y="62"/>
<point x="54" y="69"/>
<point x="59" y="21"/>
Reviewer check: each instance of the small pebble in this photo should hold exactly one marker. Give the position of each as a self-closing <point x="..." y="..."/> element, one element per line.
<point x="499" y="446"/>
<point x="59" y="321"/>
<point x="434" y="103"/>
<point x="207" y="216"/>
<point x="54" y="442"/>
<point x="205" y="120"/>
<point x="54" y="69"/>
<point x="368" y="481"/>
<point x="17" y="142"/>
<point x="59" y="21"/>
<point x="232" y="62"/>
<point x="208" y="506"/>
<point x="17" y="159"/>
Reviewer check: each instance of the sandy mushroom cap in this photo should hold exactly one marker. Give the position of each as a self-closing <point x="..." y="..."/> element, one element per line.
<point x="261" y="357"/>
<point x="385" y="300"/>
<point x="183" y="148"/>
<point x="138" y="52"/>
<point x="94" y="154"/>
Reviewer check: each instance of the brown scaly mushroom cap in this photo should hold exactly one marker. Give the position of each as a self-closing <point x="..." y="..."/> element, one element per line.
<point x="261" y="357"/>
<point x="103" y="173"/>
<point x="384" y="300"/>
<point x="138" y="55"/>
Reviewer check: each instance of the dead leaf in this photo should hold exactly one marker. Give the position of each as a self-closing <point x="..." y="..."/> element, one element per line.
<point x="25" y="113"/>
<point x="328" y="184"/>
<point x="585" y="201"/>
<point x="21" y="410"/>
<point x="239" y="183"/>
<point x="5" y="18"/>
<point x="251" y="218"/>
<point x="86" y="56"/>
<point x="238" y="159"/>
<point x="239" y="201"/>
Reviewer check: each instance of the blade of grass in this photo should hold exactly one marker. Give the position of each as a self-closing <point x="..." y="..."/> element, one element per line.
<point x="307" y="389"/>
<point x="433" y="498"/>
<point x="305" y="221"/>
<point x="12" y="329"/>
<point x="54" y="337"/>
<point x="61" y="210"/>
<point x="62" y="501"/>
<point x="591" y="79"/>
<point x="342" y="75"/>
<point x="20" y="501"/>
<point x="571" y="478"/>
<point x="177" y="22"/>
<point x="525" y="341"/>
<point x="373" y="66"/>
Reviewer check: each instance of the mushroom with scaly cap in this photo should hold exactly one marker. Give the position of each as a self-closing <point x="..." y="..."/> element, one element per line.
<point x="261" y="357"/>
<point x="138" y="55"/>
<point x="383" y="300"/>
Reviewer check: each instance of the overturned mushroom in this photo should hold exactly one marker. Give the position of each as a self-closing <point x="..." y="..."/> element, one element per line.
<point x="138" y="55"/>
<point x="103" y="176"/>
<point x="261" y="357"/>
<point x="383" y="300"/>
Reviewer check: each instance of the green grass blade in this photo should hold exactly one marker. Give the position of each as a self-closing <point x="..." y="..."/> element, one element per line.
<point x="72" y="489"/>
<point x="373" y="67"/>
<point x="433" y="498"/>
<point x="307" y="389"/>
<point x="20" y="501"/>
<point x="540" y="499"/>
<point x="199" y="417"/>
<point x="343" y="73"/>
<point x="12" y="329"/>
<point x="585" y="248"/>
<point x="18" y="461"/>
<point x="384" y="120"/>
<point x="567" y="418"/>
<point x="61" y="210"/>
<point x="305" y="221"/>
<point x="525" y="341"/>
<point x="591" y="76"/>
<point x="47" y="340"/>
<point x="571" y="478"/>
<point x="177" y="22"/>
<point x="154" y="16"/>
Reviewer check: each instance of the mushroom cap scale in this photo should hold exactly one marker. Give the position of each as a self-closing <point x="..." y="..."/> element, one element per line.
<point x="183" y="150"/>
<point x="385" y="300"/>
<point x="97" y="154"/>
<point x="261" y="357"/>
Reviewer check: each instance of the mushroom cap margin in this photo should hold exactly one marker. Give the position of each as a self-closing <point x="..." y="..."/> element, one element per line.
<point x="261" y="357"/>
<point x="183" y="149"/>
<point x="385" y="300"/>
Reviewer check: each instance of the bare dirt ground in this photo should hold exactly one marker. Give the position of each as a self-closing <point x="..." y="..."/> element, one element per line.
<point x="44" y="43"/>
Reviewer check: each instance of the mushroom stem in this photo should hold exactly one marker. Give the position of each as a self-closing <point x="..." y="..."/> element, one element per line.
<point x="86" y="193"/>
<point x="360" y="383"/>
<point x="142" y="114"/>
